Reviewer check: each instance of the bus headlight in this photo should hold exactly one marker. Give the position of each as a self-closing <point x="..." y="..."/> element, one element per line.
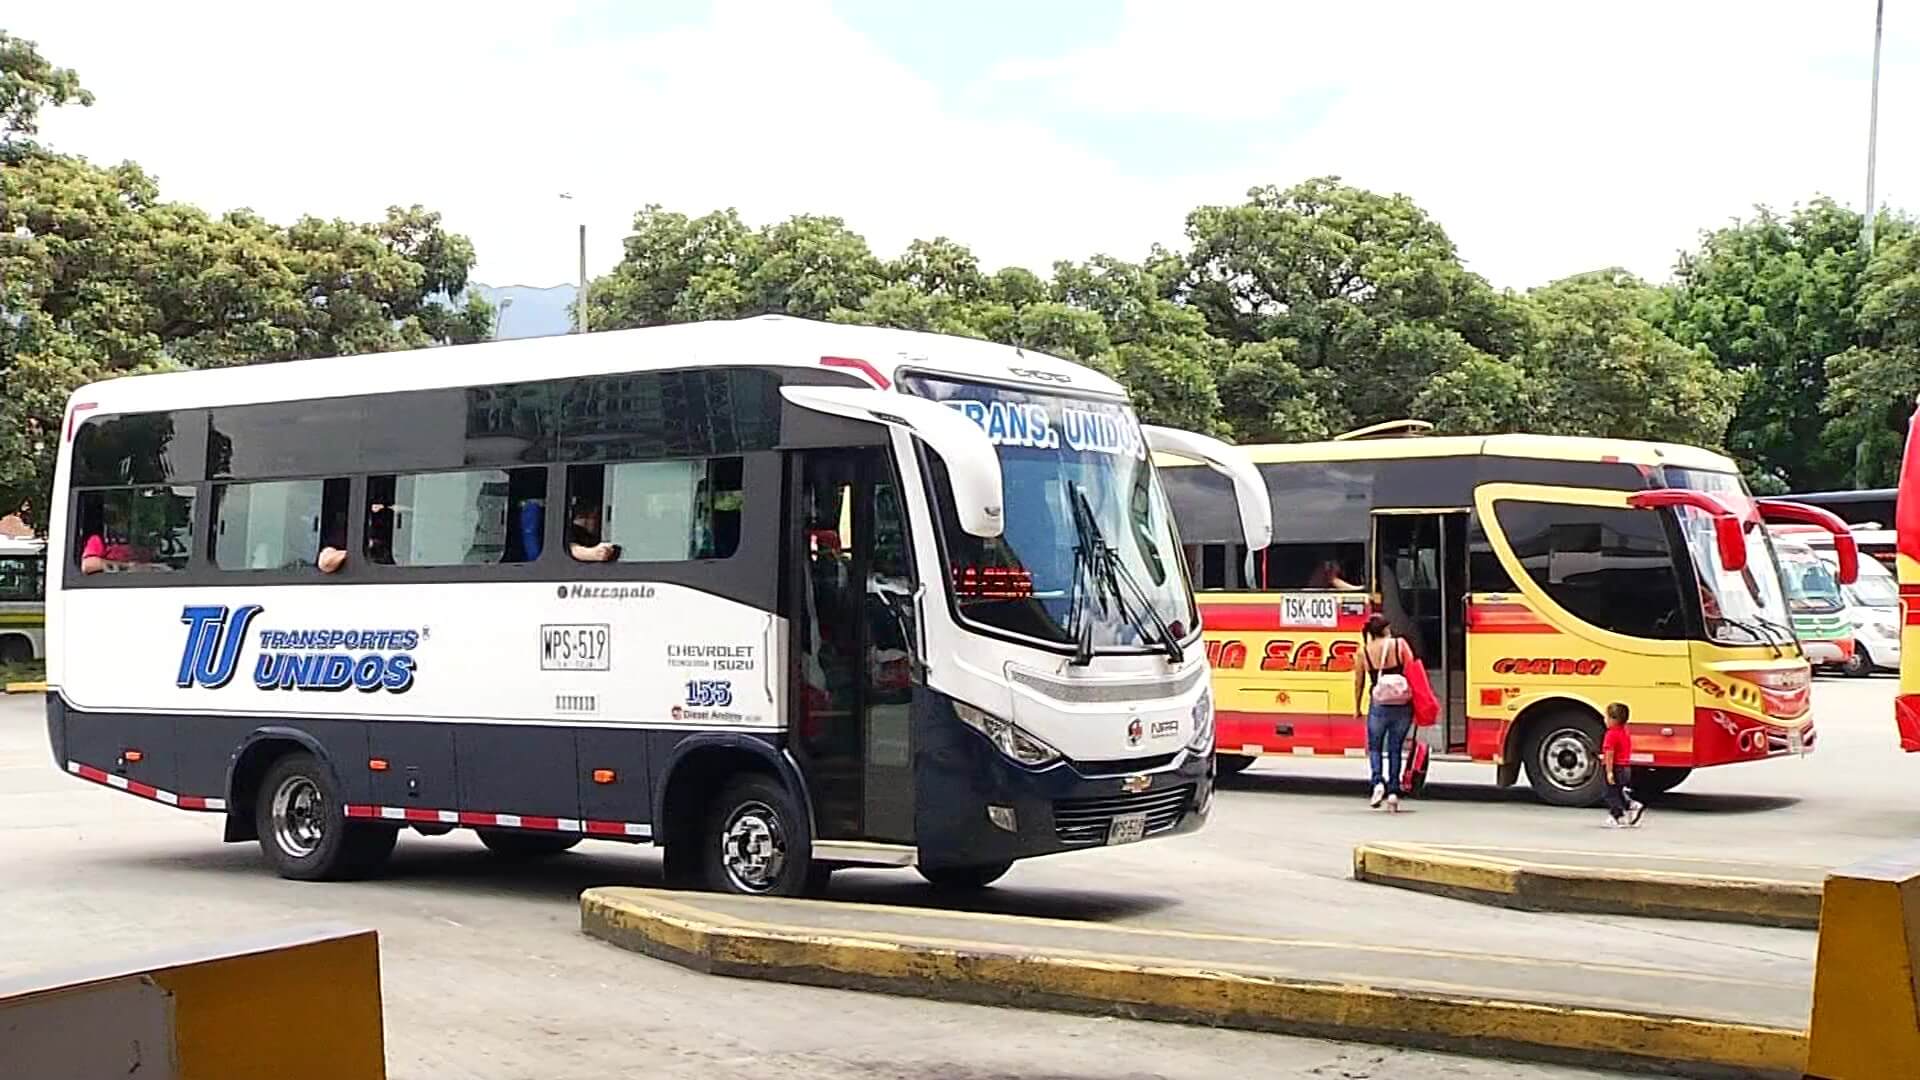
<point x="1006" y="736"/>
<point x="1202" y="740"/>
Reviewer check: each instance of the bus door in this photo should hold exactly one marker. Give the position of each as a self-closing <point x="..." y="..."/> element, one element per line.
<point x="851" y="601"/>
<point x="1420" y="584"/>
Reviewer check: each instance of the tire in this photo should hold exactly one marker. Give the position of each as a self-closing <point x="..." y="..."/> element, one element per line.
<point x="1651" y="783"/>
<point x="965" y="878"/>
<point x="757" y="841"/>
<point x="1232" y="764"/>
<point x="1860" y="664"/>
<point x="517" y="844"/>
<point x="1563" y="759"/>
<point x="303" y="827"/>
<point x="15" y="649"/>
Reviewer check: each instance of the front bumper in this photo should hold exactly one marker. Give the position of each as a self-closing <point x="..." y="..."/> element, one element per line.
<point x="1828" y="651"/>
<point x="1068" y="806"/>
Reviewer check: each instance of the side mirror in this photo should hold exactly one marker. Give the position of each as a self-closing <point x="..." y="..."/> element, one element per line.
<point x="1249" y="487"/>
<point x="972" y="465"/>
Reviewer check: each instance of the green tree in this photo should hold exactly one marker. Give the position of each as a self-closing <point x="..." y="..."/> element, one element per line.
<point x="1597" y="365"/>
<point x="28" y="84"/>
<point x="1871" y="386"/>
<point x="1775" y="297"/>
<point x="1364" y="286"/>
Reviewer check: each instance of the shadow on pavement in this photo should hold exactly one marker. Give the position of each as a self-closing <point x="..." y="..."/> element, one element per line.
<point x="1279" y="783"/>
<point x="450" y="866"/>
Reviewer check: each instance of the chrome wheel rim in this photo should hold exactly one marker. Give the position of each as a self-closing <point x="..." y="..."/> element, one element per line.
<point x="753" y="847"/>
<point x="299" y="816"/>
<point x="1568" y="757"/>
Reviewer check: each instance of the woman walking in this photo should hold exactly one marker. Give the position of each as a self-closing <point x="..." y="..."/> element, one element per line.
<point x="1383" y="665"/>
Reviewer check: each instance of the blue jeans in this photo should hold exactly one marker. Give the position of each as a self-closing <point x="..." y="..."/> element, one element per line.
<point x="1387" y="729"/>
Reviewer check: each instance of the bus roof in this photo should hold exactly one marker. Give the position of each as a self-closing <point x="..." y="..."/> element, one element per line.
<point x="21" y="545"/>
<point x="875" y="354"/>
<point x="1545" y="447"/>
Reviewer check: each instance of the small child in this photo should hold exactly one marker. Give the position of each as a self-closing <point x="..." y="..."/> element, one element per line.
<point x="1616" y="749"/>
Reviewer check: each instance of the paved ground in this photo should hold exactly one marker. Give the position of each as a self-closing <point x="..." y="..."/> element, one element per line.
<point x="487" y="975"/>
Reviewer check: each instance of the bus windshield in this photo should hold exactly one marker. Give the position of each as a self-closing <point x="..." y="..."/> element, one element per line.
<point x="1875" y="587"/>
<point x="1741" y="607"/>
<point x="1812" y="587"/>
<point x="1077" y="479"/>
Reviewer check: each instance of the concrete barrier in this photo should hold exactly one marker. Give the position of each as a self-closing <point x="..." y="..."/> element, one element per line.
<point x="1611" y="883"/>
<point x="300" y="1004"/>
<point x="1451" y="1002"/>
<point x="1866" y="981"/>
<point x="30" y="687"/>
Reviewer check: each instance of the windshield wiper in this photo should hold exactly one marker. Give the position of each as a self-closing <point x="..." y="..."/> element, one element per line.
<point x="1118" y="580"/>
<point x="1086" y="559"/>
<point x="1756" y="632"/>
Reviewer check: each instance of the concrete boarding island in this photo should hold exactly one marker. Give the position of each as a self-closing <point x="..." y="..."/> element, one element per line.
<point x="1682" y="1022"/>
<point x="1614" y="883"/>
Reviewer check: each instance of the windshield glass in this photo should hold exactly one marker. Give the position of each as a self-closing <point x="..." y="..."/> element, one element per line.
<point x="1024" y="581"/>
<point x="1746" y="607"/>
<point x="1875" y="587"/>
<point x="1812" y="586"/>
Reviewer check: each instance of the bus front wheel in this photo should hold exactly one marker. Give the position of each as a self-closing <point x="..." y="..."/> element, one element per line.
<point x="1563" y="759"/>
<point x="303" y="826"/>
<point x="756" y="840"/>
<point x="1651" y="783"/>
<point x="964" y="878"/>
<point x="1232" y="764"/>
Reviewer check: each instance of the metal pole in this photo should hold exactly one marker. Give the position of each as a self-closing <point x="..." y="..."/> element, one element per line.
<point x="580" y="298"/>
<point x="1873" y="128"/>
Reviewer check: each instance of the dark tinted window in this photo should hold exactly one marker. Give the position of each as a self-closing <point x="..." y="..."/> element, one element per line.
<point x="1316" y="566"/>
<point x="668" y="414"/>
<point x="144" y="448"/>
<point x="1485" y="572"/>
<point x="1613" y="568"/>
<point x="287" y="438"/>
<point x="512" y="422"/>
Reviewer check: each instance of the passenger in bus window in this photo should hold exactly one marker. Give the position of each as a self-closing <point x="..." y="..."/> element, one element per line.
<point x="93" y="557"/>
<point x="333" y="546"/>
<point x="583" y="536"/>
<point x="1328" y="577"/>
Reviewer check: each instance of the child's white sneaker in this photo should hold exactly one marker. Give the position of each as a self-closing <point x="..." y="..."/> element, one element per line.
<point x="1614" y="823"/>
<point x="1379" y="794"/>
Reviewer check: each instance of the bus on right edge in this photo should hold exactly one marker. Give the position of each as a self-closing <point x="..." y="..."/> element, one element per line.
<point x="1539" y="578"/>
<point x="1906" y="518"/>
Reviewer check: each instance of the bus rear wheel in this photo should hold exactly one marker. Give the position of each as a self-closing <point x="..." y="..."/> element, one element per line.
<point x="1232" y="764"/>
<point x="1563" y="759"/>
<point x="965" y="878"/>
<point x="1859" y="664"/>
<point x="303" y="827"/>
<point x="516" y="844"/>
<point x="756" y="840"/>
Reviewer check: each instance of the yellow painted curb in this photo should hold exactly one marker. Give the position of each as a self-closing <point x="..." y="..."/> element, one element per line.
<point x="1528" y="885"/>
<point x="26" y="688"/>
<point x="674" y="928"/>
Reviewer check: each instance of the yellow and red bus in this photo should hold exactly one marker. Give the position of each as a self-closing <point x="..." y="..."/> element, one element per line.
<point x="1906" y="517"/>
<point x="1539" y="578"/>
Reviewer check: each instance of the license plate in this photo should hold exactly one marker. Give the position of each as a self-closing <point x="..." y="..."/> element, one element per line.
<point x="1796" y="742"/>
<point x="1127" y="828"/>
<point x="575" y="647"/>
<point x="1318" y="611"/>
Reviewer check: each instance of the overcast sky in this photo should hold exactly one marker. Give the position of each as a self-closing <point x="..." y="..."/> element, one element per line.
<point x="1549" y="138"/>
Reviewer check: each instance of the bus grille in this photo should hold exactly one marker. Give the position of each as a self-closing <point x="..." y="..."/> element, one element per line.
<point x="1084" y="822"/>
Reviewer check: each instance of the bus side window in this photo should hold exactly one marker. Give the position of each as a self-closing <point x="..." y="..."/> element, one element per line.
<point x="1341" y="565"/>
<point x="135" y="529"/>
<point x="449" y="518"/>
<point x="657" y="511"/>
<point x="1611" y="567"/>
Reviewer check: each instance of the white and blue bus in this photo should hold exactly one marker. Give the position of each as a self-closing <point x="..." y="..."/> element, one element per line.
<point x="776" y="595"/>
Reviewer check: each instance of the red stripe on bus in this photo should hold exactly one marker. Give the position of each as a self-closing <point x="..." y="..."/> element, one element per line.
<point x="146" y="791"/>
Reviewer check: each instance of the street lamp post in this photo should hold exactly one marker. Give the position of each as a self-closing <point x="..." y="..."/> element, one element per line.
<point x="1873" y="128"/>
<point x="580" y="296"/>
